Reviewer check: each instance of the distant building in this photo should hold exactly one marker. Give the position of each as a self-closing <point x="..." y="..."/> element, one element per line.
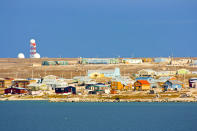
<point x="161" y="60"/>
<point x="125" y="80"/>
<point x="147" y="59"/>
<point x="38" y="86"/>
<point x="147" y="72"/>
<point x="166" y="73"/>
<point x="132" y="61"/>
<point x="183" y="72"/>
<point x="180" y="62"/>
<point x="50" y="79"/>
<point x="103" y="73"/>
<point x="100" y="61"/>
<point x="54" y="81"/>
<point x="194" y="72"/>
<point x="48" y="63"/>
<point x="193" y="63"/>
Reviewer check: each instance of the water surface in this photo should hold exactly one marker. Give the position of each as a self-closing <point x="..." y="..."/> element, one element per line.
<point x="45" y="116"/>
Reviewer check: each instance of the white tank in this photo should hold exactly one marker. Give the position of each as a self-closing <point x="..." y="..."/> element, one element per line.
<point x="21" y="55"/>
<point x="37" y="55"/>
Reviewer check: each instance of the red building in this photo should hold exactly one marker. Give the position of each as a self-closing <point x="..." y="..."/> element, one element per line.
<point x="16" y="90"/>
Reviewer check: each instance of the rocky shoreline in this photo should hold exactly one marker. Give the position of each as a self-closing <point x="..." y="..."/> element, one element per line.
<point x="100" y="100"/>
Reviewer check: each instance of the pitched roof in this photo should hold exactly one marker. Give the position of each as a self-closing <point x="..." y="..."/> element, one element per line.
<point x="143" y="78"/>
<point x="175" y="82"/>
<point x="143" y="82"/>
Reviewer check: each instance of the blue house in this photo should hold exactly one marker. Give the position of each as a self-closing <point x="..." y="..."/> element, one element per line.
<point x="173" y="85"/>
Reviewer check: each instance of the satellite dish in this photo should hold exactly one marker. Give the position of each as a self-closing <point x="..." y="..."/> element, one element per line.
<point x="37" y="55"/>
<point x="21" y="55"/>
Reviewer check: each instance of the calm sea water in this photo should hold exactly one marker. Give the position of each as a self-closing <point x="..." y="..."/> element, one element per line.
<point x="45" y="116"/>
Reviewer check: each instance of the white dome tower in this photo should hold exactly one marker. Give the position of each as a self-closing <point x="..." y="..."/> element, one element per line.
<point x="37" y="55"/>
<point x="21" y="56"/>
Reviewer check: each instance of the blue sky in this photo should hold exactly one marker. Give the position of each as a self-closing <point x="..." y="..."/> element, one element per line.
<point x="99" y="28"/>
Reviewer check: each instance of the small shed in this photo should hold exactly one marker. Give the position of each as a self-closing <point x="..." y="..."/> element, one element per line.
<point x="142" y="85"/>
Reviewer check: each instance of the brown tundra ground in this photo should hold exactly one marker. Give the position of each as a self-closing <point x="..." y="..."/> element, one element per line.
<point x="26" y="68"/>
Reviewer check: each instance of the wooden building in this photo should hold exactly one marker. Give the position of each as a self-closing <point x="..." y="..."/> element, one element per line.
<point x="16" y="90"/>
<point x="142" y="85"/>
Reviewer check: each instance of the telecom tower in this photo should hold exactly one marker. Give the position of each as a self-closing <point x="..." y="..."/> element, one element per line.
<point x="32" y="48"/>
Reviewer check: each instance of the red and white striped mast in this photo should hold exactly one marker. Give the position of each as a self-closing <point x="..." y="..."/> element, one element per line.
<point x="32" y="48"/>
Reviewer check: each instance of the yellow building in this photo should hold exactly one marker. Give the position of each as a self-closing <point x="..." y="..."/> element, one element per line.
<point x="142" y="85"/>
